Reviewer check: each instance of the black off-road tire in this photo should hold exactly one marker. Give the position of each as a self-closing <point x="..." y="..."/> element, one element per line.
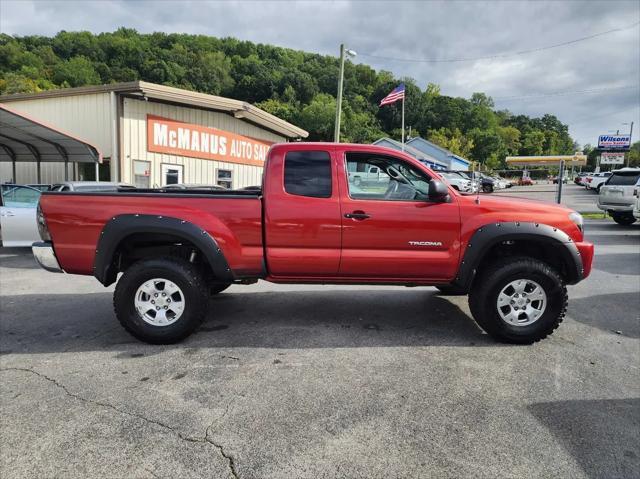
<point x="185" y="275"/>
<point x="486" y="288"/>
<point x="487" y="188"/>
<point x="218" y="288"/>
<point x="624" y="219"/>
<point x="449" y="290"/>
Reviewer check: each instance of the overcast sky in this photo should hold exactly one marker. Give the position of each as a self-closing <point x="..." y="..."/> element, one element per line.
<point x="522" y="83"/>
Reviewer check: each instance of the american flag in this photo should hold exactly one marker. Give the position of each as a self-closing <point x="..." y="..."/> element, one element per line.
<point x="396" y="94"/>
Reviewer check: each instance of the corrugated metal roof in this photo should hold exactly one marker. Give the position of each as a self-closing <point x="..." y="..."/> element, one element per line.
<point x="237" y="108"/>
<point x="25" y="139"/>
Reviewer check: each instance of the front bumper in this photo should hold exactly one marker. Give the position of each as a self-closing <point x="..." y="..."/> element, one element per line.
<point x="586" y="251"/>
<point x="46" y="257"/>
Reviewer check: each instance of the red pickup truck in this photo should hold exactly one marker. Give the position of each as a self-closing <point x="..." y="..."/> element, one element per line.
<point x="311" y="224"/>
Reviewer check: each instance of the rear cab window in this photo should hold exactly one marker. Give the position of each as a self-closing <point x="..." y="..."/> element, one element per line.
<point x="308" y="173"/>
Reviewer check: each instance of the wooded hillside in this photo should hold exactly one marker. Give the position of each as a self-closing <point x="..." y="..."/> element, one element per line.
<point x="297" y="86"/>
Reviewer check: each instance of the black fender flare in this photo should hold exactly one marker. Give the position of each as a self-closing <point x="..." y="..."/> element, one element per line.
<point x="121" y="226"/>
<point x="487" y="236"/>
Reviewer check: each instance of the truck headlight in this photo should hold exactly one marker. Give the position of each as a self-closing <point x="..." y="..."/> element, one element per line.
<point x="577" y="219"/>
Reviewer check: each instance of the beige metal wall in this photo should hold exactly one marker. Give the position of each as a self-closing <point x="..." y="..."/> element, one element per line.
<point x="87" y="117"/>
<point x="134" y="138"/>
<point x="27" y="172"/>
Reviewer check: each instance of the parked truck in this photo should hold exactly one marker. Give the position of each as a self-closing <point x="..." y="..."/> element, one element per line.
<point x="309" y="224"/>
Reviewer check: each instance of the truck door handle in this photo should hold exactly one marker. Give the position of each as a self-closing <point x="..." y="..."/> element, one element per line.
<point x="357" y="215"/>
<point x="7" y="213"/>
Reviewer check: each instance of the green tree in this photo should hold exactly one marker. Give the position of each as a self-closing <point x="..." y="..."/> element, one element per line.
<point x="294" y="85"/>
<point x="318" y="117"/>
<point x="533" y="143"/>
<point x="76" y="71"/>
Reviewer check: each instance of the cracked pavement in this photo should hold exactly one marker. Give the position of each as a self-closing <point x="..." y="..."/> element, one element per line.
<point x="320" y="381"/>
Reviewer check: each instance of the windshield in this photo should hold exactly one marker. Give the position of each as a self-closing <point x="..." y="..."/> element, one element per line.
<point x="623" y="178"/>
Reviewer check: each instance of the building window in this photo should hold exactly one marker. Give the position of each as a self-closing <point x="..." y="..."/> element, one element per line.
<point x="308" y="173"/>
<point x="224" y="178"/>
<point x="141" y="174"/>
<point x="171" y="174"/>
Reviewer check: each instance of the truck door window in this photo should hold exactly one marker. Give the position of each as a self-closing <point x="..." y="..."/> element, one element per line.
<point x="308" y="173"/>
<point x="384" y="178"/>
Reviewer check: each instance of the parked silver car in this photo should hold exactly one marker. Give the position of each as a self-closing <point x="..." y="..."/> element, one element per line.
<point x="18" y="225"/>
<point x="457" y="181"/>
<point x="616" y="195"/>
<point x="90" y="186"/>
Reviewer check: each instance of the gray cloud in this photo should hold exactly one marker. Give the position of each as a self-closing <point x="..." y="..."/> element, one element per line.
<point x="440" y="30"/>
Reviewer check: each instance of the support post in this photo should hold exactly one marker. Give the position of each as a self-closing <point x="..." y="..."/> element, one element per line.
<point x="560" y="181"/>
<point x="13" y="171"/>
<point x="66" y="170"/>
<point x="38" y="170"/>
<point x="403" y="122"/>
<point x="97" y="171"/>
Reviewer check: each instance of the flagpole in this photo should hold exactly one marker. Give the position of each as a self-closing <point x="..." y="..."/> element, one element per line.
<point x="403" y="122"/>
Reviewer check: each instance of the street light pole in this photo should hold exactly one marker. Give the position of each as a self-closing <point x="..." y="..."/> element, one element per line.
<point x="630" y="139"/>
<point x="336" y="131"/>
<point x="343" y="53"/>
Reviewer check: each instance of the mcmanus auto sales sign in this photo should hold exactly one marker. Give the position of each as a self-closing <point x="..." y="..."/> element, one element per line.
<point x="196" y="141"/>
<point x="614" y="142"/>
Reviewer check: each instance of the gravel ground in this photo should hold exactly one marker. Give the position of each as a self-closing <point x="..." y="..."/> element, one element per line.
<point x="312" y="382"/>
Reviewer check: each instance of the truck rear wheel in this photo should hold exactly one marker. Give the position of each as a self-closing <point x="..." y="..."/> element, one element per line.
<point x="519" y="300"/>
<point x="161" y="300"/>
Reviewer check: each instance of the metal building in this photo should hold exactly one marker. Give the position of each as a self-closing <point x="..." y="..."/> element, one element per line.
<point x="153" y="135"/>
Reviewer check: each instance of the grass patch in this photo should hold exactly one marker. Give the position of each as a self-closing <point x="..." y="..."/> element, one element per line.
<point x="595" y="216"/>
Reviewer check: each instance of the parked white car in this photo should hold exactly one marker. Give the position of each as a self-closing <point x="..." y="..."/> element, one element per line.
<point x="18" y="225"/>
<point x="636" y="206"/>
<point x="616" y="195"/>
<point x="596" y="180"/>
<point x="372" y="174"/>
<point x="457" y="181"/>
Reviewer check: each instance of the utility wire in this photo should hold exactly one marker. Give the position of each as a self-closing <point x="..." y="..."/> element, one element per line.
<point x="500" y="55"/>
<point x="566" y="92"/>
<point x="591" y="118"/>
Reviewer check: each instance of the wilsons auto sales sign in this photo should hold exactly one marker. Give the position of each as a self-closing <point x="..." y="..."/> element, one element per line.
<point x="614" y="142"/>
<point x="196" y="141"/>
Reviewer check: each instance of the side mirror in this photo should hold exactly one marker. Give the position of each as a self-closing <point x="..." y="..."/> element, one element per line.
<point x="438" y="192"/>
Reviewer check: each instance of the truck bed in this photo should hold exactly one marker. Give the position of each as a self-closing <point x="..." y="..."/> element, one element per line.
<point x="232" y="218"/>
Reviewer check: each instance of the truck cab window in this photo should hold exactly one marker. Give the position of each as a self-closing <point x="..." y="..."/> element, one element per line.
<point x="308" y="173"/>
<point x="385" y="178"/>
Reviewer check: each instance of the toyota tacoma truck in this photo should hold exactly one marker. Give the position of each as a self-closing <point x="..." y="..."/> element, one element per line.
<point x="172" y="249"/>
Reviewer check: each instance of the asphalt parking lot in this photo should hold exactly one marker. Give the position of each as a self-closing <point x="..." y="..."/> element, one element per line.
<point x="311" y="382"/>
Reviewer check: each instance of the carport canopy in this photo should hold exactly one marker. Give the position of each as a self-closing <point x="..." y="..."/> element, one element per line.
<point x="23" y="138"/>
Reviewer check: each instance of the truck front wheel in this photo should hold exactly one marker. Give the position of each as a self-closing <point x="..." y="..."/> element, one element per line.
<point x="161" y="300"/>
<point x="519" y="300"/>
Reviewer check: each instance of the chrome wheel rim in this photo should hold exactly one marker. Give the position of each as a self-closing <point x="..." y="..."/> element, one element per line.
<point x="159" y="302"/>
<point x="521" y="302"/>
